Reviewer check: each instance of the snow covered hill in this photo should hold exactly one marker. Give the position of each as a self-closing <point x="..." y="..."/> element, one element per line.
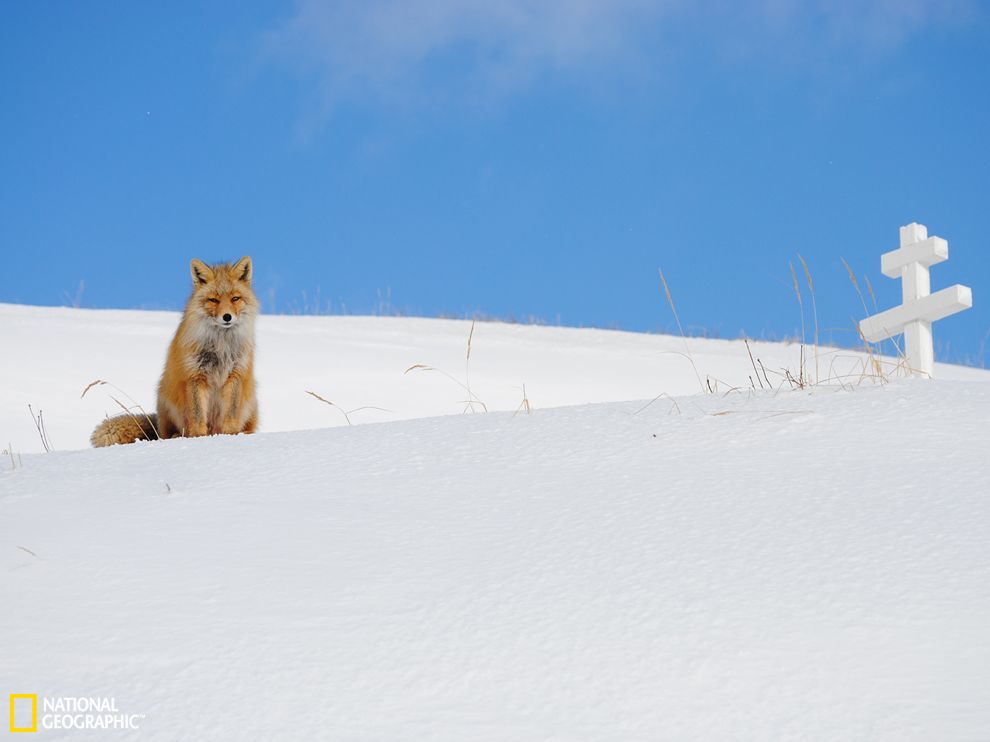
<point x="744" y="565"/>
<point x="51" y="354"/>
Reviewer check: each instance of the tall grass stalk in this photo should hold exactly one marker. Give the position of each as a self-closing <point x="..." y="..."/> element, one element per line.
<point x="797" y="292"/>
<point x="687" y="350"/>
<point x="814" y="309"/>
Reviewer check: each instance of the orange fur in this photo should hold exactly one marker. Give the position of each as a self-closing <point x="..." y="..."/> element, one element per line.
<point x="208" y="384"/>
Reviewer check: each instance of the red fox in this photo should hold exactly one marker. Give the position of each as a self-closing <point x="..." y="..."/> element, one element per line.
<point x="208" y="383"/>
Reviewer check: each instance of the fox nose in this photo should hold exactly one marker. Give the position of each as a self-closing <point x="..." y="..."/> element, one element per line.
<point x="227" y="318"/>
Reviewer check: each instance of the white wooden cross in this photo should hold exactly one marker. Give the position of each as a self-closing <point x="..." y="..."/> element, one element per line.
<point x="920" y="307"/>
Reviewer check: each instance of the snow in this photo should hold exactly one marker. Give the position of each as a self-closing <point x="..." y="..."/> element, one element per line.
<point x="748" y="565"/>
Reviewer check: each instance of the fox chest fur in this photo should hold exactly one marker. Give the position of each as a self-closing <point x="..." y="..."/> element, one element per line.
<point x="216" y="353"/>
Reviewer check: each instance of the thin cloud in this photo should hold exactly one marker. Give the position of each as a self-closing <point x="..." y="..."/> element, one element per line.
<point x="395" y="51"/>
<point x="383" y="47"/>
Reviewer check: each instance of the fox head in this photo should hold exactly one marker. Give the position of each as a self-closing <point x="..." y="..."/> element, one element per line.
<point x="222" y="293"/>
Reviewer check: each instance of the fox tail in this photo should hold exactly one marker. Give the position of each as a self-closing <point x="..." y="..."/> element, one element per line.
<point x="125" y="429"/>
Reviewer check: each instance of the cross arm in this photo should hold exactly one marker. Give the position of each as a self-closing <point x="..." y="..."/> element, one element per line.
<point x="927" y="252"/>
<point x="926" y="309"/>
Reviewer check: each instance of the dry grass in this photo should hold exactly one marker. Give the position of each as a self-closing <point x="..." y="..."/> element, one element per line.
<point x="472" y="399"/>
<point x="687" y="350"/>
<point x="764" y="379"/>
<point x="346" y="413"/>
<point x="468" y="403"/>
<point x="524" y="406"/>
<point x="39" y="425"/>
<point x="753" y="363"/>
<point x="814" y="309"/>
<point x="868" y="367"/>
<point x="673" y="404"/>
<point x="15" y="463"/>
<point x="855" y="283"/>
<point x="75" y="301"/>
<point x="127" y="410"/>
<point x="800" y="381"/>
<point x="467" y="362"/>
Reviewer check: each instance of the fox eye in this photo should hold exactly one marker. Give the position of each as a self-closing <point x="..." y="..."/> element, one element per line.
<point x="213" y="301"/>
<point x="235" y="298"/>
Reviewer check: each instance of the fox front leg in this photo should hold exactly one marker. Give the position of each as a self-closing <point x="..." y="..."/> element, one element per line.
<point x="231" y="405"/>
<point x="198" y="408"/>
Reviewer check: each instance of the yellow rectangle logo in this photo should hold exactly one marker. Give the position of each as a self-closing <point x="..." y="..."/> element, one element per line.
<point x="33" y="698"/>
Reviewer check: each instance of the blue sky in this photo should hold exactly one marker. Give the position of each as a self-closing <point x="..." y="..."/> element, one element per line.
<point x="516" y="159"/>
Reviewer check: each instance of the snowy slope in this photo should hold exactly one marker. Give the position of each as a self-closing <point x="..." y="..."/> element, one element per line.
<point x="51" y="354"/>
<point x="799" y="565"/>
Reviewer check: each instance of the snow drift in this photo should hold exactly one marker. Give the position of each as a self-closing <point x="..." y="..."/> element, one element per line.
<point x="801" y="564"/>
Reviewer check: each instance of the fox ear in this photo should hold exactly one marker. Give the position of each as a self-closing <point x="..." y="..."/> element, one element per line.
<point x="242" y="269"/>
<point x="201" y="272"/>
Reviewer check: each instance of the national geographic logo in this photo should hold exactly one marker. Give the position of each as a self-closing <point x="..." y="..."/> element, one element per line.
<point x="69" y="712"/>
<point x="23" y="712"/>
